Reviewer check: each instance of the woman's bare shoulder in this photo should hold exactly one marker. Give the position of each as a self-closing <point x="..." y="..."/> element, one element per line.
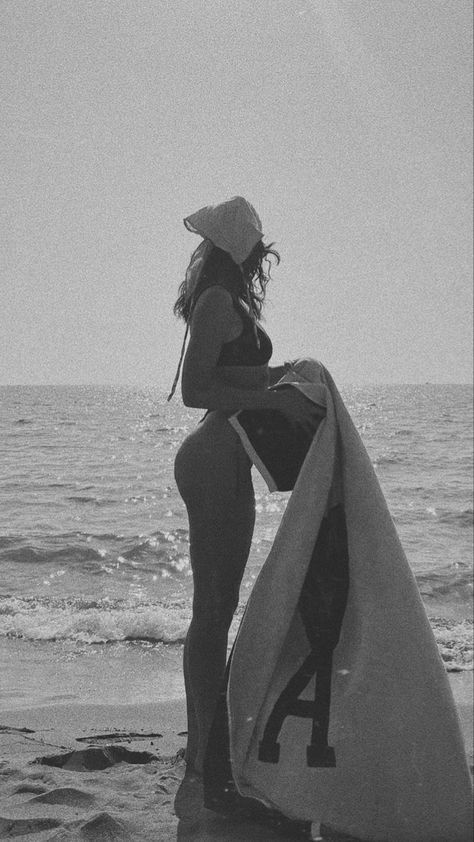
<point x="213" y="301"/>
<point x="217" y="293"/>
<point x="214" y="317"/>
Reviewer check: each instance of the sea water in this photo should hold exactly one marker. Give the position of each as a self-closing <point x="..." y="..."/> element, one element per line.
<point x="94" y="557"/>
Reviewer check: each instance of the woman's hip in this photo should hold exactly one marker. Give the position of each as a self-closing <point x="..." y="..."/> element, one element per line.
<point x="212" y="461"/>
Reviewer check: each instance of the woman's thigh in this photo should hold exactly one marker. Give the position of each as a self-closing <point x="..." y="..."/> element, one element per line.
<point x="213" y="474"/>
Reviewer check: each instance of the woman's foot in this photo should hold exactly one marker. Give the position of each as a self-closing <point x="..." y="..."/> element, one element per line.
<point x="189" y="798"/>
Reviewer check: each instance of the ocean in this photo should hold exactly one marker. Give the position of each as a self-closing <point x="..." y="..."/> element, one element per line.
<point x="96" y="587"/>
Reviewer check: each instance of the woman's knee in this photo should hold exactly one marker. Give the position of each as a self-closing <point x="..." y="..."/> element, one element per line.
<point x="214" y="615"/>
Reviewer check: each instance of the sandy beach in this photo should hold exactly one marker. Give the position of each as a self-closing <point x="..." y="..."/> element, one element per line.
<point x="110" y="771"/>
<point x="120" y="768"/>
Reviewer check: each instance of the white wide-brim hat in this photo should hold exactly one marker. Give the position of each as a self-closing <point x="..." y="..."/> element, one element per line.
<point x="233" y="226"/>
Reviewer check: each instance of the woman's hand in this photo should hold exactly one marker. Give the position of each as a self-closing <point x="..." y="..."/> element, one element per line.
<point x="289" y="365"/>
<point x="298" y="409"/>
<point x="275" y="373"/>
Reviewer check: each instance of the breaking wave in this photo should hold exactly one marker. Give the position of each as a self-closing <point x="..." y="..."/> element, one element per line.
<point x="110" y="621"/>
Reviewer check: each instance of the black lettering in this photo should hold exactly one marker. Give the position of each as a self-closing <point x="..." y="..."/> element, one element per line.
<point x="321" y="605"/>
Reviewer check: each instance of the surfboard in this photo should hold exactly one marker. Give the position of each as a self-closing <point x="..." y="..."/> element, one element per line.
<point x="337" y="709"/>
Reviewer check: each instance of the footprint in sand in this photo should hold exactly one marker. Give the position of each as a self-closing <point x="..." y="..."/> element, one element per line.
<point x="119" y="736"/>
<point x="65" y="795"/>
<point x="20" y="827"/>
<point x="96" y="759"/>
<point x="101" y="827"/>
<point x="104" y="827"/>
<point x="162" y="788"/>
<point x="20" y="823"/>
<point x="32" y="789"/>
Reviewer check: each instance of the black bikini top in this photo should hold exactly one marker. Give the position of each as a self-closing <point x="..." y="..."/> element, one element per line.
<point x="244" y="349"/>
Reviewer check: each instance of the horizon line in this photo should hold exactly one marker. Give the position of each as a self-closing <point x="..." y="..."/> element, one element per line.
<point x="148" y="385"/>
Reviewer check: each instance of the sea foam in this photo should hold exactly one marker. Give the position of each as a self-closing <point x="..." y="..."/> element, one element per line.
<point x="111" y="621"/>
<point x="104" y="622"/>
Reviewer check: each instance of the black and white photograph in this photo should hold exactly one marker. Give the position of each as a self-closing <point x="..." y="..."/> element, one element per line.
<point x="236" y="420"/>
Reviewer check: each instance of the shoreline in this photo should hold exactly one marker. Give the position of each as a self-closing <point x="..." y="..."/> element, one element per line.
<point x="103" y="792"/>
<point x="157" y="727"/>
<point x="116" y="770"/>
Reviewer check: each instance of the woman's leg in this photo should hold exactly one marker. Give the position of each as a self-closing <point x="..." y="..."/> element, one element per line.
<point x="213" y="475"/>
<point x="221" y="529"/>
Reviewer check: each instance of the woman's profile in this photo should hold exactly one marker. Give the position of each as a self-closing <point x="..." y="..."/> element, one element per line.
<point x="225" y="369"/>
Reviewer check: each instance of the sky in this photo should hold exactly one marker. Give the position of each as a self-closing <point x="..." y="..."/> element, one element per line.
<point x="347" y="123"/>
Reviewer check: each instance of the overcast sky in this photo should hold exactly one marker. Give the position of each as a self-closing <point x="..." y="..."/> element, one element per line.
<point x="347" y="123"/>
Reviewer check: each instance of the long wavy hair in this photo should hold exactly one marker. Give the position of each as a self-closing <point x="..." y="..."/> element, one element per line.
<point x="248" y="285"/>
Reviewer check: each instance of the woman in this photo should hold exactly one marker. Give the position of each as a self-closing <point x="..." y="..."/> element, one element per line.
<point x="225" y="370"/>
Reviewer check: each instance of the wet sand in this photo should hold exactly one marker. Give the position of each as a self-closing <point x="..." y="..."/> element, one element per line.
<point x="109" y="772"/>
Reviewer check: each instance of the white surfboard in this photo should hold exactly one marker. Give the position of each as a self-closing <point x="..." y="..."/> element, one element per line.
<point x="340" y="711"/>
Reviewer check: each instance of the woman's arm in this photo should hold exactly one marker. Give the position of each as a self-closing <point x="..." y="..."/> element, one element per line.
<point x="211" y="326"/>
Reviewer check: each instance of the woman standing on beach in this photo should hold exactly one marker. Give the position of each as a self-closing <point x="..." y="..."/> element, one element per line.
<point x="225" y="370"/>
